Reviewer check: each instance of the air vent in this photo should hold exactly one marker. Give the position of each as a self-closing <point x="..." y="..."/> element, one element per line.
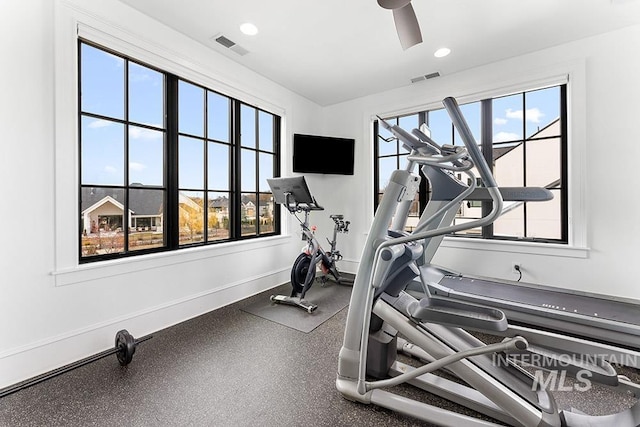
<point x="230" y="44"/>
<point x="225" y="41"/>
<point x="425" y="77"/>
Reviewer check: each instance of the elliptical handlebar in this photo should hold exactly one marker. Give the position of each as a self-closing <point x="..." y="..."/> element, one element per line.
<point x="452" y="158"/>
<point x="427" y="150"/>
<point x="411" y="142"/>
<point x="451" y="105"/>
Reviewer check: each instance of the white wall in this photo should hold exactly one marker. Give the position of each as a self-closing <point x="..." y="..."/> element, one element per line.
<point x="603" y="89"/>
<point x="53" y="311"/>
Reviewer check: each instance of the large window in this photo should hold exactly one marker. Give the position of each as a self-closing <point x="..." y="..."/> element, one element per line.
<point x="166" y="163"/>
<point x="522" y="137"/>
<point x="391" y="155"/>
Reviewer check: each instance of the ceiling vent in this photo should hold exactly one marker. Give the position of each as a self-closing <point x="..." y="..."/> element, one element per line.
<point x="425" y="77"/>
<point x="229" y="44"/>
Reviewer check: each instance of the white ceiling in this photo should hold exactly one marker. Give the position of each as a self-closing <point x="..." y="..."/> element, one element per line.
<point x="331" y="51"/>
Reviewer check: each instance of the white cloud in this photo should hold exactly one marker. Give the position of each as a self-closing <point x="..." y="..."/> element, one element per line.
<point x="500" y="121"/>
<point x="142" y="133"/>
<point x="99" y="123"/>
<point x="110" y="169"/>
<point x="505" y="136"/>
<point x="513" y="114"/>
<point x="533" y="114"/>
<point x="137" y="166"/>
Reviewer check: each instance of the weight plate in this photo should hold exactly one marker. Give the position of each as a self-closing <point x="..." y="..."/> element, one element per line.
<point x="125" y="347"/>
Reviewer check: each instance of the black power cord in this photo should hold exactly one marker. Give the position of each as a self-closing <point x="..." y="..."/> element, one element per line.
<point x="516" y="267"/>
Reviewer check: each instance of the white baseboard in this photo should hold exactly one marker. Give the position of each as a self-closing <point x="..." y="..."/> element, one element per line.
<point x="21" y="363"/>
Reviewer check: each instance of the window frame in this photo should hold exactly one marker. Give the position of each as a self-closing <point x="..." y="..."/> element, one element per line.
<point x="424" y="190"/>
<point x="486" y="142"/>
<point x="171" y="162"/>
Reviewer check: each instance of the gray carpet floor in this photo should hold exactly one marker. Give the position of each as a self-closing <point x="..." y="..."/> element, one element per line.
<point x="225" y="368"/>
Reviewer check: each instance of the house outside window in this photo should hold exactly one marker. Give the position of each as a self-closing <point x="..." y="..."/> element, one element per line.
<point x="524" y="140"/>
<point x="161" y="159"/>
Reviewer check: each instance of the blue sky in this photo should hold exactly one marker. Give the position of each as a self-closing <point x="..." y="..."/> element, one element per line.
<point x="509" y="120"/>
<point x="542" y="108"/>
<point x="103" y="142"/>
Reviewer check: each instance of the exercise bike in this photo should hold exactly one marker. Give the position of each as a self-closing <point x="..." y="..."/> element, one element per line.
<point x="294" y="194"/>
<point x="434" y="326"/>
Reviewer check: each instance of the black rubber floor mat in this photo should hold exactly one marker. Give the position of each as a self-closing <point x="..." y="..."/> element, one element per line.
<point x="330" y="298"/>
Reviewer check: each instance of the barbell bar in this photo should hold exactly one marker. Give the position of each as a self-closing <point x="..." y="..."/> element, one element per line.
<point x="125" y="347"/>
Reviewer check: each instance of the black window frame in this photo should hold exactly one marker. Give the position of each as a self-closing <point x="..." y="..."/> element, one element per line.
<point x="424" y="190"/>
<point x="486" y="143"/>
<point x="170" y="185"/>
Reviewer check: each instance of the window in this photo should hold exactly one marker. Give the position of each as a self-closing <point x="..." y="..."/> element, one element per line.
<point x="523" y="138"/>
<point x="391" y="155"/>
<point x="166" y="163"/>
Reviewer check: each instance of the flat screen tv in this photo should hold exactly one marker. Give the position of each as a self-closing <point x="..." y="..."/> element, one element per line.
<point x="323" y="154"/>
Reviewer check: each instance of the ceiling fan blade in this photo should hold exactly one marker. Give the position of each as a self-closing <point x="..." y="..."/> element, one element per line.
<point x="407" y="26"/>
<point x="393" y="4"/>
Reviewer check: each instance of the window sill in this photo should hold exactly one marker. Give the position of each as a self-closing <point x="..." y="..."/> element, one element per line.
<point x="549" y="249"/>
<point x="99" y="270"/>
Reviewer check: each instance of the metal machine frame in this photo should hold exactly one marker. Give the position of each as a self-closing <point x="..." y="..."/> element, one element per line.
<point x="435" y="324"/>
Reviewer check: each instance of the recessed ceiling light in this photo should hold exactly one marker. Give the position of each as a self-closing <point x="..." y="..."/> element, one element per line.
<point x="249" y="29"/>
<point x="442" y="52"/>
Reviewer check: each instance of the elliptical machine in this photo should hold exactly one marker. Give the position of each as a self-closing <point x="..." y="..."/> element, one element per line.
<point x="294" y="194"/>
<point x="436" y="324"/>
